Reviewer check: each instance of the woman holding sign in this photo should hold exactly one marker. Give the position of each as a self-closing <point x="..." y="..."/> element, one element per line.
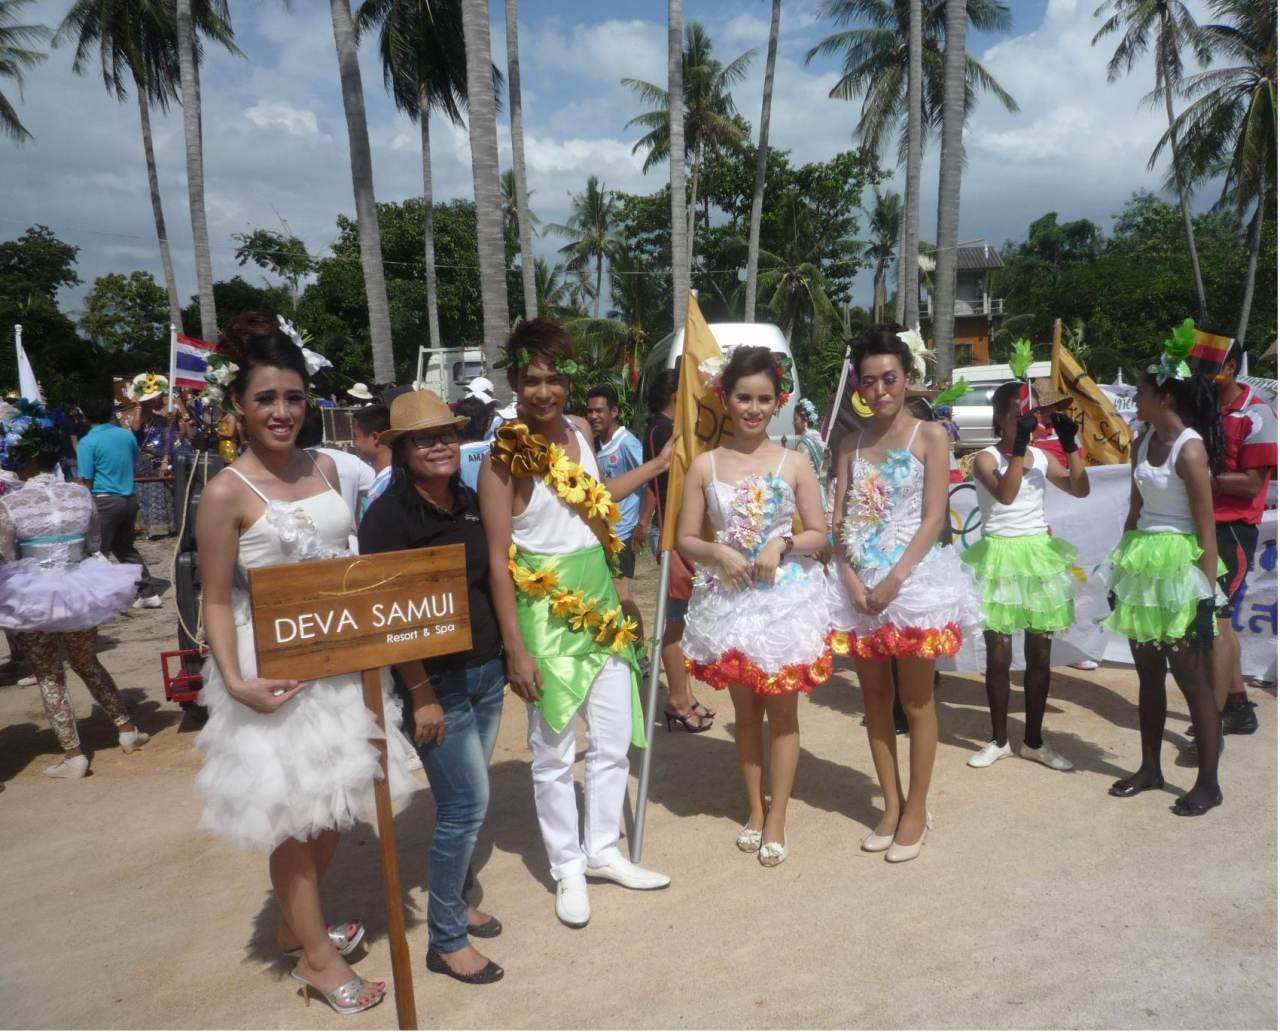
<point x="456" y="699"/>
<point x="288" y="764"/>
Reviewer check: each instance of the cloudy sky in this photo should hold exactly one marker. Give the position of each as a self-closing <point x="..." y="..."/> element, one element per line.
<point x="276" y="144"/>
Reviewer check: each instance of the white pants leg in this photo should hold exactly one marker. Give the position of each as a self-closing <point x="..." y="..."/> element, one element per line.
<point x="607" y="713"/>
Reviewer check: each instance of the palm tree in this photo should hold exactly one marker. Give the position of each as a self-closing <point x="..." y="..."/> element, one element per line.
<point x="523" y="226"/>
<point x="949" y="165"/>
<point x="1168" y="28"/>
<point x="762" y="164"/>
<point x="908" y="267"/>
<point x="885" y="222"/>
<point x="190" y="14"/>
<point x="483" y="130"/>
<point x="709" y="110"/>
<point x="511" y="213"/>
<point x="676" y="147"/>
<point x="137" y="44"/>
<point x="549" y="288"/>
<point x="424" y="67"/>
<point x="375" y="284"/>
<point x="16" y="53"/>
<point x="590" y="231"/>
<point x="793" y="280"/>
<point x="1229" y="129"/>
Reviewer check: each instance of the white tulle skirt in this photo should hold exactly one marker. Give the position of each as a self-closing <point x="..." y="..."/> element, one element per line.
<point x="305" y="768"/>
<point x="64" y="598"/>
<point x="939" y="603"/>
<point x="772" y="639"/>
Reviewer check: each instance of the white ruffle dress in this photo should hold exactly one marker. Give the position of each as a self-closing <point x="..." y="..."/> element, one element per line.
<point x="938" y="603"/>
<point x="310" y="765"/>
<point x="54" y="583"/>
<point x="769" y="637"/>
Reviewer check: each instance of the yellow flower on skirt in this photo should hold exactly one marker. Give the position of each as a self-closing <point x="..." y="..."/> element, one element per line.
<point x="586" y="618"/>
<point x="565" y="603"/>
<point x="607" y="621"/>
<point x="624" y="635"/>
<point x="536" y="582"/>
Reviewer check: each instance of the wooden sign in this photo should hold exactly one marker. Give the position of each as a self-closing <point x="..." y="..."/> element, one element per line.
<point x="339" y="616"/>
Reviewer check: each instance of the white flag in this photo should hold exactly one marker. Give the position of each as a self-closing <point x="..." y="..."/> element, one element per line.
<point x="27" y="386"/>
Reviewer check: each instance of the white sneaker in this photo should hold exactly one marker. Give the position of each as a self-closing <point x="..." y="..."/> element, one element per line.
<point x="71" y="767"/>
<point x="1048" y="757"/>
<point x="27" y="682"/>
<point x="989" y="754"/>
<point x="572" y="905"/>
<point x="1084" y="664"/>
<point x="131" y="740"/>
<point x="629" y="875"/>
<point x="148" y="602"/>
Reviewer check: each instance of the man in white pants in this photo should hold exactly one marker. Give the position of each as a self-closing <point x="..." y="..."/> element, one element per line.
<point x="548" y="521"/>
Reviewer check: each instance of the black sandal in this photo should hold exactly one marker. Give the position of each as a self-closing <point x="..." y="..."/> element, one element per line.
<point x="1185" y="808"/>
<point x="687" y="721"/>
<point x="702" y="711"/>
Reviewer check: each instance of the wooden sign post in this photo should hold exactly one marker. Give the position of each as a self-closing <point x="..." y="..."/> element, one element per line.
<point x="362" y="613"/>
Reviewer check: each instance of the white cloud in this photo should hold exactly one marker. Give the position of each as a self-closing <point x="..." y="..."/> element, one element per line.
<point x="277" y="114"/>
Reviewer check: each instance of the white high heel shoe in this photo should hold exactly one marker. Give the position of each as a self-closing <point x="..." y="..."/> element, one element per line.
<point x="749" y="840"/>
<point x="773" y="853"/>
<point x="898" y="853"/>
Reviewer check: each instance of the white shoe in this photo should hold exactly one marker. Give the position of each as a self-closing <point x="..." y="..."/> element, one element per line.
<point x="572" y="905"/>
<point x="1084" y="664"/>
<point x="71" y="767"/>
<point x="749" y="840"/>
<point x="1048" y="757"/>
<point x="629" y="875"/>
<point x="148" y="602"/>
<point x="989" y="754"/>
<point x="773" y="853"/>
<point x="131" y="740"/>
<point x="27" y="682"/>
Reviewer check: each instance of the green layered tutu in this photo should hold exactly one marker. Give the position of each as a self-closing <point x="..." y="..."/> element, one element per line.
<point x="1027" y="582"/>
<point x="1157" y="582"/>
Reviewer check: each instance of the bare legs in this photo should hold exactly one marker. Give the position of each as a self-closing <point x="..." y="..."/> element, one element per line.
<point x="905" y="814"/>
<point x="750" y="711"/>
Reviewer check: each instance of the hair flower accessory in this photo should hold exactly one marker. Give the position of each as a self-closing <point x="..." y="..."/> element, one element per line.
<point x="1173" y="362"/>
<point x="18" y="442"/>
<point x="786" y="382"/>
<point x="712" y="370"/>
<point x="809" y="410"/>
<point x="314" y="360"/>
<point x="217" y="378"/>
<point x="915" y="344"/>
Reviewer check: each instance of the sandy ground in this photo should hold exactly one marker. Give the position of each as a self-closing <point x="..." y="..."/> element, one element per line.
<point x="1039" y="901"/>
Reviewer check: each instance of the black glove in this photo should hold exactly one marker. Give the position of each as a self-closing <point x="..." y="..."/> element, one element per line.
<point x="1112" y="600"/>
<point x="1065" y="427"/>
<point x="1200" y="633"/>
<point x="1026" y="424"/>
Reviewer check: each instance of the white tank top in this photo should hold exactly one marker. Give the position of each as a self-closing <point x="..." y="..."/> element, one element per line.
<point x="1166" y="505"/>
<point x="548" y="526"/>
<point x="1025" y="514"/>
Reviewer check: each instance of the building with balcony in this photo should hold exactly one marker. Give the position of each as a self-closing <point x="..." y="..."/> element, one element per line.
<point x="977" y="312"/>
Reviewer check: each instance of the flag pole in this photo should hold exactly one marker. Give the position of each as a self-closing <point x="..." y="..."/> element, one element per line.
<point x="173" y="361"/>
<point x="650" y="706"/>
<point x="835" y="412"/>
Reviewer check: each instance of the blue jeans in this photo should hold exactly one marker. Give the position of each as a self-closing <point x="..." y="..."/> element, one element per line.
<point x="458" y="770"/>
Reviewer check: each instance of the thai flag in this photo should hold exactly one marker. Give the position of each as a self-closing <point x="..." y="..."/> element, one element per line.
<point x="190" y="362"/>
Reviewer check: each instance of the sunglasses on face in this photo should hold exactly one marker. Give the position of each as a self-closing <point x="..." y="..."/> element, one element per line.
<point x="425" y="441"/>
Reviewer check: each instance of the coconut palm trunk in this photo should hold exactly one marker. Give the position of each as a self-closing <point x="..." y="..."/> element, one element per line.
<point x="1165" y="83"/>
<point x="949" y="165"/>
<point x="428" y="224"/>
<point x="910" y="279"/>
<point x="375" y="284"/>
<point x="762" y="165"/>
<point x="483" y="130"/>
<point x="900" y="309"/>
<point x="153" y="181"/>
<point x="527" y="272"/>
<point x="1255" y="243"/>
<point x="679" y="229"/>
<point x="195" y="168"/>
<point x="692" y="228"/>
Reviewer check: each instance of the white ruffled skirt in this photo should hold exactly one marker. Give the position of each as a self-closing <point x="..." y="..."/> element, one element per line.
<point x="939" y="603"/>
<point x="56" y="598"/>
<point x="772" y="639"/>
<point x="301" y="770"/>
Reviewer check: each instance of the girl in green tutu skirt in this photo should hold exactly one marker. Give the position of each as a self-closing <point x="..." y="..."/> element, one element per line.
<point x="1163" y="573"/>
<point x="1026" y="576"/>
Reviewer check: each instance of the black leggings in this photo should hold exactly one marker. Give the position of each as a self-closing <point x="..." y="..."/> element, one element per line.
<point x="1192" y="669"/>
<point x="1035" y="684"/>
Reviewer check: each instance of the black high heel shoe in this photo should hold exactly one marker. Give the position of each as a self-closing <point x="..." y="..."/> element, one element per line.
<point x="703" y="711"/>
<point x="691" y="721"/>
<point x="488" y="974"/>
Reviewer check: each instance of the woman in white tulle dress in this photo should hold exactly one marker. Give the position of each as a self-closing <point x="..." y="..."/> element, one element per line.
<point x="898" y="594"/>
<point x="757" y="616"/>
<point x="288" y="764"/>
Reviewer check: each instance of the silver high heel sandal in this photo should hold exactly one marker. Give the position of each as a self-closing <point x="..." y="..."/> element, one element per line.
<point x="343" y="943"/>
<point x="749" y="840"/>
<point x="346" y="998"/>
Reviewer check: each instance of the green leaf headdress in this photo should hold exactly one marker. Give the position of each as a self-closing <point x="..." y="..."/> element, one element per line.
<point x="956" y="390"/>
<point x="1020" y="360"/>
<point x="1173" y="363"/>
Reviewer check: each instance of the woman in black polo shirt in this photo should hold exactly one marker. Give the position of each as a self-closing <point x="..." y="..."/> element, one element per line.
<point x="456" y="699"/>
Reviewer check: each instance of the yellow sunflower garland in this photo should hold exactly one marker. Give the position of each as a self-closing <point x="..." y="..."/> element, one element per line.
<point x="607" y="626"/>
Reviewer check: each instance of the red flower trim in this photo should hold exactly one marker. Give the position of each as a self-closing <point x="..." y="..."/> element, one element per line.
<point x="735" y="667"/>
<point x="892" y="642"/>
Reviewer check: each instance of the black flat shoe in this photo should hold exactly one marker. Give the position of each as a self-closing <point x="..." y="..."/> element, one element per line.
<point x="1126" y="789"/>
<point x="1185" y="808"/>
<point x="491" y="929"/>
<point x="489" y="973"/>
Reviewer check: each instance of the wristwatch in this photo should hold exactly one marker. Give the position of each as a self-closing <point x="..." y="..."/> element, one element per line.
<point x="788" y="542"/>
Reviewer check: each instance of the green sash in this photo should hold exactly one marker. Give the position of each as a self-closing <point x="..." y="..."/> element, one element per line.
<point x="570" y="660"/>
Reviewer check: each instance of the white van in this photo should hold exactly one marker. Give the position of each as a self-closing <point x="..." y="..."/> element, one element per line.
<point x="447" y="371"/>
<point x="666" y="354"/>
<point x="972" y="411"/>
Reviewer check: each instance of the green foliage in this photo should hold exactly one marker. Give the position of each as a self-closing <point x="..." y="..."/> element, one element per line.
<point x="17" y="52"/>
<point x="128" y="318"/>
<point x="33" y="268"/>
<point x="1020" y="360"/>
<point x="286" y="256"/>
<point x="237" y="295"/>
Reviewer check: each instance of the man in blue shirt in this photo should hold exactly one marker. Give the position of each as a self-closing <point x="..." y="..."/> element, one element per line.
<point x="105" y="457"/>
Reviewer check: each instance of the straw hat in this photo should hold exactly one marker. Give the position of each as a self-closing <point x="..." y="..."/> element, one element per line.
<point x="1047" y="395"/>
<point x="419" y="410"/>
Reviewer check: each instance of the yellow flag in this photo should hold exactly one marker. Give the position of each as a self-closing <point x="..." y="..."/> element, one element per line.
<point x="1104" y="435"/>
<point x="700" y="420"/>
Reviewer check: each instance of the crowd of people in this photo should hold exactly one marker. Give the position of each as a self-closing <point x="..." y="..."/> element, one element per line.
<point x="551" y="510"/>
